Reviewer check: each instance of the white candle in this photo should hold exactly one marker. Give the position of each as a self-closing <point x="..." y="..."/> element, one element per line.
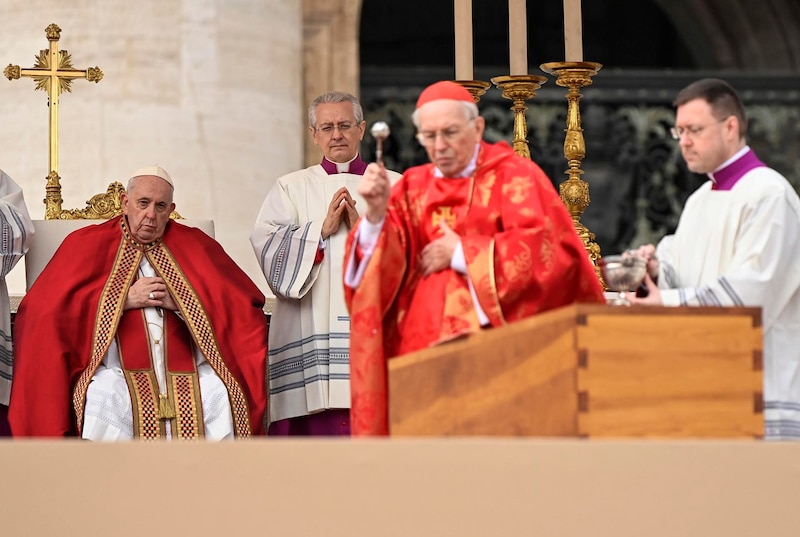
<point x="573" y="31"/>
<point x="518" y="37"/>
<point x="463" y="21"/>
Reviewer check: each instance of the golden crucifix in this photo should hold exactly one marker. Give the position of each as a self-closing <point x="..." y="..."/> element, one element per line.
<point x="53" y="73"/>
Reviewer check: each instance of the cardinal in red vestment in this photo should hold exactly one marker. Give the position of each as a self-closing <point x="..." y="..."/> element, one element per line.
<point x="476" y="238"/>
<point x="140" y="327"/>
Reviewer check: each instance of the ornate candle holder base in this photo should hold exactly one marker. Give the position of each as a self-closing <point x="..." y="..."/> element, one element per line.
<point x="575" y="191"/>
<point x="475" y="87"/>
<point x="572" y="74"/>
<point x="519" y="88"/>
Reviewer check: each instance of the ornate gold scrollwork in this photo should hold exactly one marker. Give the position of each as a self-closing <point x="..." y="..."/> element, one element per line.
<point x="100" y="206"/>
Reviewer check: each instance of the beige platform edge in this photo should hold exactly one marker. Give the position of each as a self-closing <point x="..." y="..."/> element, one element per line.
<point x="401" y="487"/>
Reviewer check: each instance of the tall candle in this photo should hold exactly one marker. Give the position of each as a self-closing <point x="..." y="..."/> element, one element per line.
<point x="573" y="31"/>
<point x="518" y="37"/>
<point x="463" y="21"/>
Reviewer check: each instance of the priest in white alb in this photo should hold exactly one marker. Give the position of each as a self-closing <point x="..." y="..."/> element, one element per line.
<point x="299" y="240"/>
<point x="737" y="242"/>
<point x="16" y="231"/>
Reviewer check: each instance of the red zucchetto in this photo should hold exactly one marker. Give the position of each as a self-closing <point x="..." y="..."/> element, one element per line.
<point x="444" y="90"/>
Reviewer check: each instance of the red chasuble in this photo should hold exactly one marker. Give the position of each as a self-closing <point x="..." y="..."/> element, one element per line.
<point x="522" y="253"/>
<point x="67" y="320"/>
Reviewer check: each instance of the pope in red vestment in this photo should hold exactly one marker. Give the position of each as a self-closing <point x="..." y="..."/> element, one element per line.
<point x="90" y="294"/>
<point x="477" y="238"/>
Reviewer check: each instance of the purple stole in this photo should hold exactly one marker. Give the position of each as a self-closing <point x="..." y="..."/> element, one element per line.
<point x="728" y="176"/>
<point x="357" y="166"/>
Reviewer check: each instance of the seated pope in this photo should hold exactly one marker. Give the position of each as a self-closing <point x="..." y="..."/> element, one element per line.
<point x="140" y="328"/>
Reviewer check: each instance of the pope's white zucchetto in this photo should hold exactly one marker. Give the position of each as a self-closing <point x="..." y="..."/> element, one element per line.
<point x="155" y="171"/>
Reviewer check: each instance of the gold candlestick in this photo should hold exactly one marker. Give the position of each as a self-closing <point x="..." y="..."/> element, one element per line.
<point x="475" y="87"/>
<point x="575" y="191"/>
<point x="519" y="88"/>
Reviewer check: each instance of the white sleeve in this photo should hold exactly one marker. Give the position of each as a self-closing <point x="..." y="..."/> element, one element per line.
<point x="367" y="235"/>
<point x="16" y="226"/>
<point x="457" y="262"/>
<point x="284" y="246"/>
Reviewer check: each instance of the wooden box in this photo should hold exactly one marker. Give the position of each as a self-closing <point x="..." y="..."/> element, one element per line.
<point x="589" y="371"/>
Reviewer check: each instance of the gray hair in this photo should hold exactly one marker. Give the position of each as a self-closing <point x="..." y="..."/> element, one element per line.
<point x="470" y="112"/>
<point x="333" y="97"/>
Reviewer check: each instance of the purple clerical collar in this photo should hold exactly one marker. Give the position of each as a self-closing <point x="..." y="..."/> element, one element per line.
<point x="357" y="166"/>
<point x="727" y="176"/>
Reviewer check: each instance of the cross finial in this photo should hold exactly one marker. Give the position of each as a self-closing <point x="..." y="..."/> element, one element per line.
<point x="53" y="72"/>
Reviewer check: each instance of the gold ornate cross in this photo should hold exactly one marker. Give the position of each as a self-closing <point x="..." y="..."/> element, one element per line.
<point x="53" y="73"/>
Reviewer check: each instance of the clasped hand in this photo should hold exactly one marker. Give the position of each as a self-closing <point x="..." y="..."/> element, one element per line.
<point x="342" y="208"/>
<point x="438" y="254"/>
<point x="142" y="289"/>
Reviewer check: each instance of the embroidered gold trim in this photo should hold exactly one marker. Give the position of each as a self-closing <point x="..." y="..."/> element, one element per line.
<point x="199" y="325"/>
<point x="109" y="311"/>
<point x="184" y="389"/>
<point x="144" y="395"/>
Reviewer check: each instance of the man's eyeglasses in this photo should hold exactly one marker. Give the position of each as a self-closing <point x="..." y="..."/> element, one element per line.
<point x="328" y="129"/>
<point x="692" y="131"/>
<point x="428" y="138"/>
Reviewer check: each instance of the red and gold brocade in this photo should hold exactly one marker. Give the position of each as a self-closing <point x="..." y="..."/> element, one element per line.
<point x="522" y="254"/>
<point x="60" y="317"/>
